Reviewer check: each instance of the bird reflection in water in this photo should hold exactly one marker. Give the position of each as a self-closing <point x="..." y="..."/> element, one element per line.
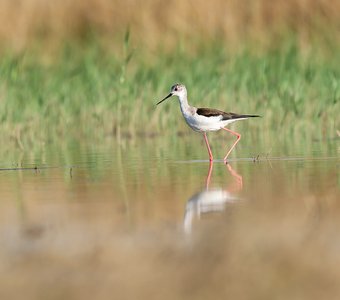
<point x="211" y="199"/>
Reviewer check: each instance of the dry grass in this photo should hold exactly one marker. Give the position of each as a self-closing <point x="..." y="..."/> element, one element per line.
<point x="155" y="23"/>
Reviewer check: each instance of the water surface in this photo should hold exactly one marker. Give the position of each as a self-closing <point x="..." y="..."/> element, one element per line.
<point x="147" y="219"/>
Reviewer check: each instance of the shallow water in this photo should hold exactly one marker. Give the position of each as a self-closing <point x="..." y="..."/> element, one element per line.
<point x="120" y="219"/>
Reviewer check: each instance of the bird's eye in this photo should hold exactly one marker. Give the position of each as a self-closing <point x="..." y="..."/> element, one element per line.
<point x="176" y="88"/>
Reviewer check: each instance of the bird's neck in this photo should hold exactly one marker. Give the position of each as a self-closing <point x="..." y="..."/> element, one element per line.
<point x="183" y="102"/>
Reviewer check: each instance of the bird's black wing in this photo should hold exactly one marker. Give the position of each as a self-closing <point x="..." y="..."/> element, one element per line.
<point x="211" y="112"/>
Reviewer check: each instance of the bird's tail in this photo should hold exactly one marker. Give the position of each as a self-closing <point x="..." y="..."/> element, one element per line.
<point x="249" y="116"/>
<point x="237" y="116"/>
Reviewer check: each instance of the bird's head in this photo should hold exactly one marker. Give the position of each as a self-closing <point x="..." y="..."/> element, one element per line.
<point x="176" y="90"/>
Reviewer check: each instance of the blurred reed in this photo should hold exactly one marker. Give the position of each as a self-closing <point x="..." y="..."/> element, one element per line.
<point x="157" y="23"/>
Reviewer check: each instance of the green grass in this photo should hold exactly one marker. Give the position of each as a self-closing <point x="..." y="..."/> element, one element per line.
<point x="93" y="94"/>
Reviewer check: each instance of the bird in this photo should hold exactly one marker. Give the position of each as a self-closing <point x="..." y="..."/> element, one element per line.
<point x="204" y="120"/>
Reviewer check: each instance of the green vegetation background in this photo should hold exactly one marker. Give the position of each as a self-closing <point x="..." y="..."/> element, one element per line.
<point x="86" y="83"/>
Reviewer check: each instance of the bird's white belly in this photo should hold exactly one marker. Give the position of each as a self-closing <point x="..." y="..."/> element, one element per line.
<point x="202" y="123"/>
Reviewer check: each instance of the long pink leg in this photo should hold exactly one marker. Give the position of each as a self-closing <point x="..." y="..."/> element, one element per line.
<point x="233" y="146"/>
<point x="208" y="147"/>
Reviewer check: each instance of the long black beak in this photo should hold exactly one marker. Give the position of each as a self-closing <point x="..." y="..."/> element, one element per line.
<point x="164" y="99"/>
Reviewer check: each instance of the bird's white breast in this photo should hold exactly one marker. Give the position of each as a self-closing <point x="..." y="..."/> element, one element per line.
<point x="202" y="123"/>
